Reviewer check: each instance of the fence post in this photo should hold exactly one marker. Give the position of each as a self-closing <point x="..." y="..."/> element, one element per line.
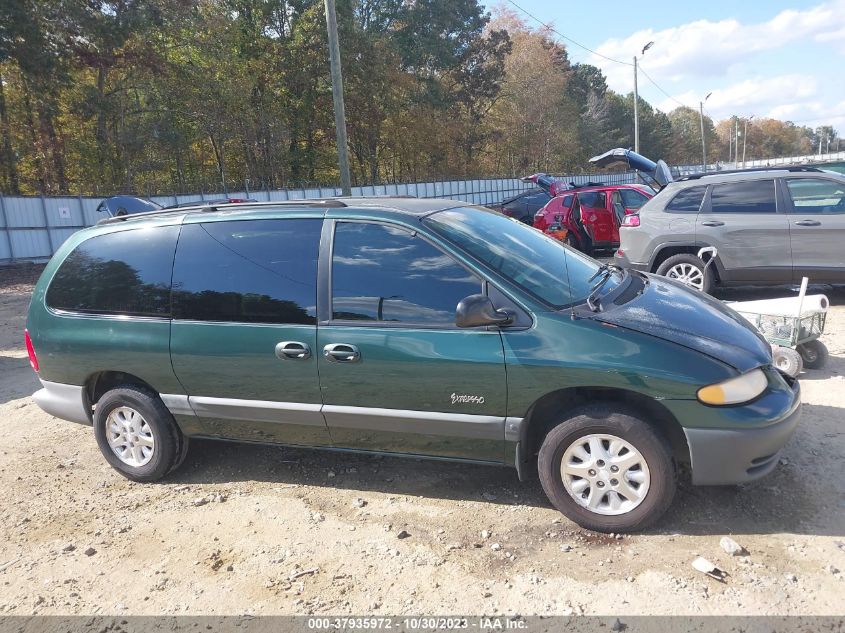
<point x="81" y="210"/>
<point x="47" y="225"/>
<point x="6" y="226"/>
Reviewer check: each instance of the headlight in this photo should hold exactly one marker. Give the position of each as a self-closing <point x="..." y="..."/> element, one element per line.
<point x="736" y="390"/>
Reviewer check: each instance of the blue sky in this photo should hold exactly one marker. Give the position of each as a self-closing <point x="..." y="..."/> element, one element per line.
<point x="758" y="57"/>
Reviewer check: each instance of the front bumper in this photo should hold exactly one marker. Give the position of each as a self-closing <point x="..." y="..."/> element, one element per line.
<point x="623" y="262"/>
<point x="737" y="455"/>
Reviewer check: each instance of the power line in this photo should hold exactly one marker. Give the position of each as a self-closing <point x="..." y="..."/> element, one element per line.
<point x="654" y="83"/>
<point x="566" y="37"/>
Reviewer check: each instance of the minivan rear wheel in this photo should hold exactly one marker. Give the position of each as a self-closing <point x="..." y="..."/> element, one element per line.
<point x="607" y="470"/>
<point x="689" y="270"/>
<point x="137" y="434"/>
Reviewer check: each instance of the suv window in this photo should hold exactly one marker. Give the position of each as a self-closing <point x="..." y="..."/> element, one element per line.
<point x="249" y="271"/>
<point x="816" y="195"/>
<point x="752" y="196"/>
<point x="632" y="199"/>
<point x="593" y="199"/>
<point x="687" y="200"/>
<point x="385" y="273"/>
<point x="126" y="273"/>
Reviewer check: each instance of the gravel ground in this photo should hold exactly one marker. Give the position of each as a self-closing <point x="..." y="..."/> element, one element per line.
<point x="251" y="529"/>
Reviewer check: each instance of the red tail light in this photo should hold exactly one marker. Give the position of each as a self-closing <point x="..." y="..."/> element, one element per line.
<point x="33" y="359"/>
<point x="632" y="219"/>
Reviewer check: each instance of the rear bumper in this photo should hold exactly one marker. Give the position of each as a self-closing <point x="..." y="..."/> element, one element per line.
<point x="622" y="262"/>
<point x="67" y="402"/>
<point x="732" y="456"/>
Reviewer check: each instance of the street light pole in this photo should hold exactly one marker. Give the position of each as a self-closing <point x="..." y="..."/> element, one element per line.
<point x="703" y="139"/>
<point x="337" y="97"/>
<point x="736" y="143"/>
<point x="745" y="139"/>
<point x="636" y="102"/>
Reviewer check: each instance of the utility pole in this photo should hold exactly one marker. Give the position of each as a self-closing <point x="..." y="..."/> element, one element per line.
<point x="703" y="140"/>
<point x="337" y="96"/>
<point x="636" y="111"/>
<point x="736" y="144"/>
<point x="745" y="139"/>
<point x="636" y="102"/>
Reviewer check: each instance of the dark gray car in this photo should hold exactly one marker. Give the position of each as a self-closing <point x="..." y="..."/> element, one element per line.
<point x="771" y="226"/>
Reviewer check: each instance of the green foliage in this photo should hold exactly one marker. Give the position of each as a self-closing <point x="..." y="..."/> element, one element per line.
<point x="164" y="96"/>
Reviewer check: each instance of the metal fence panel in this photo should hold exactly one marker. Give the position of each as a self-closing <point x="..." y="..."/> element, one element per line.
<point x="33" y="227"/>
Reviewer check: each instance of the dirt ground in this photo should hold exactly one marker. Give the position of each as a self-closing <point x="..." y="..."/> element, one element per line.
<point x="246" y="529"/>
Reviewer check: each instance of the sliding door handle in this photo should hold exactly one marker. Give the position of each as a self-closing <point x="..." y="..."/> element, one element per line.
<point x="293" y="350"/>
<point x="808" y="223"/>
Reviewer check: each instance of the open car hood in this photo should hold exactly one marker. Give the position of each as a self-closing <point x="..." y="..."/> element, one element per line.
<point x="658" y="172"/>
<point x="129" y="204"/>
<point x="547" y="183"/>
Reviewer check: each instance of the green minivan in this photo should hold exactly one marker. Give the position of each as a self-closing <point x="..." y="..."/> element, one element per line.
<point x="425" y="328"/>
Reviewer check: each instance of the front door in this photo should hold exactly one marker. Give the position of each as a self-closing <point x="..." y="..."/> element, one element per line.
<point x="743" y="221"/>
<point x="244" y="330"/>
<point x="817" y="228"/>
<point x="395" y="373"/>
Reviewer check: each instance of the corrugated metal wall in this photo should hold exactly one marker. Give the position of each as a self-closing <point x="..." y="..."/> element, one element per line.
<point x="32" y="228"/>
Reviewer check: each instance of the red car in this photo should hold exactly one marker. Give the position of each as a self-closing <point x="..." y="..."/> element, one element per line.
<point x="591" y="213"/>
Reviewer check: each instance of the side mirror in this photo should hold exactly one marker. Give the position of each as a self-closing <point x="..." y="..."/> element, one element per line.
<point x="478" y="310"/>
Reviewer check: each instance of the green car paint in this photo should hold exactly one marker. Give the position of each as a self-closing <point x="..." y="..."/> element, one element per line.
<point x="443" y="392"/>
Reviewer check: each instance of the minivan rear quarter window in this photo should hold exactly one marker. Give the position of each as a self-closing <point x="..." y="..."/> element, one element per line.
<point x="248" y="271"/>
<point x="753" y="196"/>
<point x="687" y="200"/>
<point x="121" y="273"/>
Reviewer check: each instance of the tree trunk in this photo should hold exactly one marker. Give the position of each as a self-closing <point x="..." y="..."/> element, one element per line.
<point x="8" y="153"/>
<point x="33" y="137"/>
<point x="218" y="154"/>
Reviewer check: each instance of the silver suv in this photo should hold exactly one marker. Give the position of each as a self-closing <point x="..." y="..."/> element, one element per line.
<point x="770" y="226"/>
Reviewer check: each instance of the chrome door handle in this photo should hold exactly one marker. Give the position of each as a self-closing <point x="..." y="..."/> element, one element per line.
<point x="808" y="223"/>
<point x="293" y="350"/>
<point x="712" y="223"/>
<point x="341" y="353"/>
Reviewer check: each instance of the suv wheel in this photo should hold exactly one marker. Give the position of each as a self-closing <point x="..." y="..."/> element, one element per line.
<point x="137" y="434"/>
<point x="607" y="470"/>
<point x="689" y="270"/>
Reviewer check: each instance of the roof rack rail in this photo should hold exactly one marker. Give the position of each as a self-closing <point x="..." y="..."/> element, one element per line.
<point x="210" y="208"/>
<point x="750" y="170"/>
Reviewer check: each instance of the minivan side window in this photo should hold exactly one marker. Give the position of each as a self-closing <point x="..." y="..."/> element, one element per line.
<point x="687" y="200"/>
<point x="752" y="196"/>
<point x="816" y="195"/>
<point x="121" y="273"/>
<point x="248" y="271"/>
<point x="384" y="273"/>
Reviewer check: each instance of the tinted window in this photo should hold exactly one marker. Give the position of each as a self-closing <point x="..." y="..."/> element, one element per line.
<point x="127" y="272"/>
<point x="382" y="273"/>
<point x="250" y="271"/>
<point x="687" y="200"/>
<point x="593" y="199"/>
<point x="817" y="195"/>
<point x="755" y="196"/>
<point x="632" y="199"/>
<point x="540" y="264"/>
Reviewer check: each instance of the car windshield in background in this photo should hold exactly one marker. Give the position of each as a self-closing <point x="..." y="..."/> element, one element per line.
<point x="527" y="257"/>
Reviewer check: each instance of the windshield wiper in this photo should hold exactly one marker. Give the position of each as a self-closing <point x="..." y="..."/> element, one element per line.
<point x="605" y="272"/>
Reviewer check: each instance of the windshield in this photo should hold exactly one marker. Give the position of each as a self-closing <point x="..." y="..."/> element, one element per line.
<point x="532" y="260"/>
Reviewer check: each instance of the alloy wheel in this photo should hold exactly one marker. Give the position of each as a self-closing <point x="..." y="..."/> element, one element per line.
<point x="130" y="436"/>
<point x="605" y="474"/>
<point x="687" y="274"/>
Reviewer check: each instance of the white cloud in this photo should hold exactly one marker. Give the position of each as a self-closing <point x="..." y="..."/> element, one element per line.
<point x="709" y="49"/>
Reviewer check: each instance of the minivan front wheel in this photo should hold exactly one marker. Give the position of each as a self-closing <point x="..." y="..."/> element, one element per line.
<point x="137" y="434"/>
<point x="689" y="270"/>
<point x="607" y="470"/>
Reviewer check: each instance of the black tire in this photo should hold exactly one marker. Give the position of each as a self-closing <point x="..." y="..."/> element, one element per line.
<point x="169" y="444"/>
<point x="688" y="259"/>
<point x="571" y="241"/>
<point x="788" y="360"/>
<point x="814" y="354"/>
<point x="616" y="421"/>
